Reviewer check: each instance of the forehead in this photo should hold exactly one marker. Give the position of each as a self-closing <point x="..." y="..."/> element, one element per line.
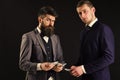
<point x="50" y="17"/>
<point x="83" y="7"/>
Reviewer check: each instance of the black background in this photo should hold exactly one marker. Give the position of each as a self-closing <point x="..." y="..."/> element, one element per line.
<point x="20" y="16"/>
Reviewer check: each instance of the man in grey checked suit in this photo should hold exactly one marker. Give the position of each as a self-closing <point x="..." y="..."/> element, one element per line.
<point x="41" y="54"/>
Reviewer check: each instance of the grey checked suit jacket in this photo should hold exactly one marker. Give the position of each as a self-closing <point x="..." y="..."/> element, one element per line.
<point x="32" y="51"/>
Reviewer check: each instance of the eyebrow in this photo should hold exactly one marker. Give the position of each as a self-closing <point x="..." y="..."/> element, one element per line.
<point x="50" y="19"/>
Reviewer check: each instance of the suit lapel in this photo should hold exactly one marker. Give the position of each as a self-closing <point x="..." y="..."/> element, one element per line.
<point x="53" y="40"/>
<point x="40" y="42"/>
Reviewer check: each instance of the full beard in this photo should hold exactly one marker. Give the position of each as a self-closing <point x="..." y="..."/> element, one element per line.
<point x="47" y="31"/>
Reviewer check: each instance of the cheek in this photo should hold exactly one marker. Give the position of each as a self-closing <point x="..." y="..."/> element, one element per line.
<point x="89" y="15"/>
<point x="52" y="24"/>
<point x="46" y="23"/>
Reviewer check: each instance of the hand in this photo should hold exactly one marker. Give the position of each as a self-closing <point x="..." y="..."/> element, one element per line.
<point x="76" y="71"/>
<point x="58" y="67"/>
<point x="46" y="66"/>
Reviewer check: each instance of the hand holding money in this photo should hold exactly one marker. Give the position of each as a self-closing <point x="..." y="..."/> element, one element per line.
<point x="59" y="67"/>
<point x="46" y="66"/>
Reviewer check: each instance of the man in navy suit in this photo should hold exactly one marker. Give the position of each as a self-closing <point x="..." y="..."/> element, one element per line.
<point x="96" y="48"/>
<point x="41" y="54"/>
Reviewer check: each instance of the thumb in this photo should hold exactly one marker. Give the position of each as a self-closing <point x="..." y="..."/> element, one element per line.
<point x="72" y="67"/>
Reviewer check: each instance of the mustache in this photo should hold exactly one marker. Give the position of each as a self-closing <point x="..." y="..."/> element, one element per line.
<point x="47" y="31"/>
<point x="49" y="27"/>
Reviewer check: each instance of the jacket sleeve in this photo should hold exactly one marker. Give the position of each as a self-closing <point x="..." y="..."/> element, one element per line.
<point x="25" y="54"/>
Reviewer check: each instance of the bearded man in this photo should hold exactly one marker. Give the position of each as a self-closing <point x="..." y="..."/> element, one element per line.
<point x="41" y="54"/>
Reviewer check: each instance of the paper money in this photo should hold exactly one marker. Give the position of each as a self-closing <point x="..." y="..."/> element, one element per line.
<point x="51" y="78"/>
<point x="66" y="69"/>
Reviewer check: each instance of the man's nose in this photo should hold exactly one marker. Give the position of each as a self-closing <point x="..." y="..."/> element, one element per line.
<point x="51" y="24"/>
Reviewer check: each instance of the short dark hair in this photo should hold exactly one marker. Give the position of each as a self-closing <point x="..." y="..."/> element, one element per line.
<point x="81" y="2"/>
<point x="47" y="10"/>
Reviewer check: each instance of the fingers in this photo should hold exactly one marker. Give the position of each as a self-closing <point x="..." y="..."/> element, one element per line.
<point x="76" y="71"/>
<point x="58" y="67"/>
<point x="73" y="67"/>
<point x="46" y="66"/>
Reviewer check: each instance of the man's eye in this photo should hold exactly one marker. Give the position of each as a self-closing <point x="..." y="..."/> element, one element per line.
<point x="85" y="11"/>
<point x="79" y="13"/>
<point x="47" y="19"/>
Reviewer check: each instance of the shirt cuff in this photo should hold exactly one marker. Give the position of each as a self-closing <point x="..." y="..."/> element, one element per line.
<point x="38" y="66"/>
<point x="83" y="69"/>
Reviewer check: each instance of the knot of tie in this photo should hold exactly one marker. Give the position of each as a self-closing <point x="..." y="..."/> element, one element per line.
<point x="88" y="27"/>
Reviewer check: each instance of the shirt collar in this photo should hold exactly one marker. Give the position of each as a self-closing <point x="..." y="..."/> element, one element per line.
<point x="93" y="22"/>
<point x="38" y="29"/>
<point x="45" y="37"/>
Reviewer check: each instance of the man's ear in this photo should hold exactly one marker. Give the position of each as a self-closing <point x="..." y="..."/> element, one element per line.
<point x="39" y="19"/>
<point x="94" y="9"/>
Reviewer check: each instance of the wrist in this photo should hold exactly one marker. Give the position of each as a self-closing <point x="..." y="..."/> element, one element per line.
<point x="39" y="66"/>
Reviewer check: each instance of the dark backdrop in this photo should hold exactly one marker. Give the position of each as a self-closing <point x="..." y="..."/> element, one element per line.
<point x="20" y="16"/>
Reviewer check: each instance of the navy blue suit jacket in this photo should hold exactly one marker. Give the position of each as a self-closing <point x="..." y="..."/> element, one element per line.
<point x="96" y="51"/>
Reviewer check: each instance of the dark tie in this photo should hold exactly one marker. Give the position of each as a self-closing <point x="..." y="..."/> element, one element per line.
<point x="85" y="32"/>
<point x="87" y="27"/>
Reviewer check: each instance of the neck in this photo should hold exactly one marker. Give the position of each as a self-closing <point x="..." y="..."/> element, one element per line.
<point x="91" y="20"/>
